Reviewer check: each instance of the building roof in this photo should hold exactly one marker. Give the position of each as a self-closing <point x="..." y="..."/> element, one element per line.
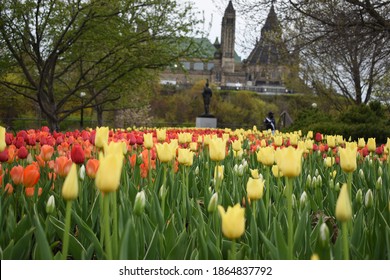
<point x="268" y="49"/>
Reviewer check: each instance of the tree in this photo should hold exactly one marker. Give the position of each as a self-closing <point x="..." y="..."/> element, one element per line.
<point x="342" y="44"/>
<point x="58" y="49"/>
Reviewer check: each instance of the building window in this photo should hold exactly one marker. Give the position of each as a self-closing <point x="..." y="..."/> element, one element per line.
<point x="210" y="66"/>
<point x="198" y="66"/>
<point x="186" y="65"/>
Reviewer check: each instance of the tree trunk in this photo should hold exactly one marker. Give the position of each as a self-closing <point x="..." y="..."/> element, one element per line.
<point x="99" y="114"/>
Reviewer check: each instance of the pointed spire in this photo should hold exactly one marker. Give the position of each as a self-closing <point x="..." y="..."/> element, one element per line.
<point x="229" y="8"/>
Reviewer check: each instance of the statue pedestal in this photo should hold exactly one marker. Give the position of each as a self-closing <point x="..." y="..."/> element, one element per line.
<point x="206" y="121"/>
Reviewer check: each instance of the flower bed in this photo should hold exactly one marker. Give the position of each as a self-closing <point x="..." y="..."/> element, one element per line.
<point x="192" y="194"/>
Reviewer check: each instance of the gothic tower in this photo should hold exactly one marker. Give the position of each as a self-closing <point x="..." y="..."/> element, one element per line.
<point x="228" y="38"/>
<point x="266" y="64"/>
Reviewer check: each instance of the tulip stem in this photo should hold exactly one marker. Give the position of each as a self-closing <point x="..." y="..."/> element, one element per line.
<point x="65" y="240"/>
<point x="345" y="241"/>
<point x="290" y="231"/>
<point x="233" y="250"/>
<point x="115" y="224"/>
<point x="349" y="185"/>
<point x="106" y="222"/>
<point x="149" y="171"/>
<point x="267" y="189"/>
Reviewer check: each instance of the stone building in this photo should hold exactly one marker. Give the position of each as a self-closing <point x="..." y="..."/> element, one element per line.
<point x="265" y="69"/>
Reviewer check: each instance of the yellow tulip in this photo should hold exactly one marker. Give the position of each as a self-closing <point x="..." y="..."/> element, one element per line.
<point x="2" y="139"/>
<point x="184" y="137"/>
<point x="278" y="140"/>
<point x="351" y="145"/>
<point x="101" y="137"/>
<point x="348" y="159"/>
<point x="290" y="162"/>
<point x="276" y="172"/>
<point x="266" y="155"/>
<point x="331" y="141"/>
<point x="70" y="188"/>
<point x="161" y="134"/>
<point x="218" y="172"/>
<point x="339" y="139"/>
<point x="185" y="157"/>
<point x="238" y="154"/>
<point x="329" y="161"/>
<point x="263" y="143"/>
<point x="225" y="137"/>
<point x="361" y="143"/>
<point x="309" y="134"/>
<point x="236" y="145"/>
<point x="255" y="173"/>
<point x="309" y="144"/>
<point x="371" y="144"/>
<point x="217" y="149"/>
<point x="387" y="147"/>
<point x="165" y="152"/>
<point x="343" y="205"/>
<point x="233" y="221"/>
<point x="255" y="188"/>
<point x="115" y="148"/>
<point x="294" y="139"/>
<point x="206" y="139"/>
<point x="193" y="146"/>
<point x="109" y="173"/>
<point x="148" y="140"/>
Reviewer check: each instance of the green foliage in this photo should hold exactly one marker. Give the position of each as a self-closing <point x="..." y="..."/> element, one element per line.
<point x="233" y="109"/>
<point x="363" y="121"/>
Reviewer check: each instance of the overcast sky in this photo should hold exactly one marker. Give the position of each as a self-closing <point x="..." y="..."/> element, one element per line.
<point x="213" y="11"/>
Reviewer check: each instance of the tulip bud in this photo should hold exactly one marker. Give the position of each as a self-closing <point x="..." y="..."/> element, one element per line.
<point x="368" y="199"/>
<point x="308" y="181"/>
<point x="316" y="172"/>
<point x="378" y="184"/>
<point x="359" y="197"/>
<point x="314" y="182"/>
<point x="213" y="203"/>
<point x="361" y="174"/>
<point x="319" y="181"/>
<point x="196" y="170"/>
<point x="303" y="199"/>
<point x="380" y="171"/>
<point x="337" y="187"/>
<point x="324" y="235"/>
<point x="162" y="192"/>
<point x="50" y="205"/>
<point x="241" y="170"/>
<point x="139" y="203"/>
<point x="331" y="184"/>
<point x="82" y="172"/>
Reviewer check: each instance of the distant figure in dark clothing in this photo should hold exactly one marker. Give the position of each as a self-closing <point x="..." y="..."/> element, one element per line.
<point x="207" y="93"/>
<point x="269" y="122"/>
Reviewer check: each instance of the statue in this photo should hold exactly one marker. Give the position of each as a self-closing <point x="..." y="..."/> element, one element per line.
<point x="207" y="93"/>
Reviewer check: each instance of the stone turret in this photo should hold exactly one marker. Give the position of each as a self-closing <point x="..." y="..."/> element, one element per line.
<point x="228" y="38"/>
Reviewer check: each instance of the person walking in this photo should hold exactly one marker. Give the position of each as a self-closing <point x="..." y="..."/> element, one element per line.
<point x="269" y="122"/>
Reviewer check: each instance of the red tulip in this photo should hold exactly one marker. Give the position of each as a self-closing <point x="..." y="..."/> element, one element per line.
<point x="22" y="152"/>
<point x="77" y="154"/>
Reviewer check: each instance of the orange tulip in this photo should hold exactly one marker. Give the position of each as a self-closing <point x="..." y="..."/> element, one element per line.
<point x="17" y="174"/>
<point x="92" y="167"/>
<point x="30" y="191"/>
<point x="46" y="152"/>
<point x="30" y="176"/>
<point x="62" y="166"/>
<point x="9" y="188"/>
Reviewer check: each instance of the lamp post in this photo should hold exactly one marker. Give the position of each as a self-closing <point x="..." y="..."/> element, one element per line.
<point x="82" y="95"/>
